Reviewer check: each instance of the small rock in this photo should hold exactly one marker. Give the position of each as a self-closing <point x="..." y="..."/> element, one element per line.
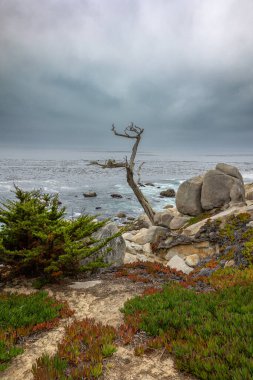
<point x="168" y="206"/>
<point x="121" y="215"/>
<point x="170" y="193"/>
<point x="142" y="222"/>
<point x="192" y="260"/>
<point x="136" y="249"/>
<point x="149" y="184"/>
<point x="178" y="263"/>
<point x="130" y="218"/>
<point x="98" y="208"/>
<point x="230" y="263"/>
<point x="163" y="218"/>
<point x="90" y="194"/>
<point x="149" y="235"/>
<point x="116" y="196"/>
<point x="178" y="222"/>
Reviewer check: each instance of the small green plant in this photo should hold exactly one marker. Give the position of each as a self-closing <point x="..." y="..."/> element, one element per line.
<point x="23" y="315"/>
<point x="108" y="349"/>
<point x="35" y="239"/>
<point x="247" y="250"/>
<point x="198" y="218"/>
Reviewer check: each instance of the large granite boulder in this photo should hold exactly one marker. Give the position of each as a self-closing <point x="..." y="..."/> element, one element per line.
<point x="116" y="254"/>
<point x="219" y="189"/>
<point x="188" y="196"/>
<point x="229" y="170"/>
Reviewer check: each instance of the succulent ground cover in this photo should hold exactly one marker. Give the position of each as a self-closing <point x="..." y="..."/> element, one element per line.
<point x="22" y="316"/>
<point x="210" y="336"/>
<point x="81" y="354"/>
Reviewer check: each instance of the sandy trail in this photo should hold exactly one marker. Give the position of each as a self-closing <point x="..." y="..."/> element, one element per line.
<point x="100" y="300"/>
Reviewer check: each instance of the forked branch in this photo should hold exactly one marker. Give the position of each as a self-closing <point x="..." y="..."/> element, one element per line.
<point x="130" y="132"/>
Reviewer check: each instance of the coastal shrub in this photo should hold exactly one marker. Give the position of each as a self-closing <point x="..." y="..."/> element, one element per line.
<point x="80" y="355"/>
<point x="35" y="238"/>
<point x="23" y="315"/>
<point x="210" y="335"/>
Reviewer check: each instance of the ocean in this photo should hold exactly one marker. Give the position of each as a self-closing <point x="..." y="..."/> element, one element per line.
<point x="71" y="177"/>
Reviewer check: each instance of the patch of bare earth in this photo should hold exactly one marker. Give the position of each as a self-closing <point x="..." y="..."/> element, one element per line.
<point x="102" y="301"/>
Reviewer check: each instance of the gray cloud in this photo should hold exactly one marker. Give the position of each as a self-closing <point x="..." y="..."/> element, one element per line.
<point x="181" y="69"/>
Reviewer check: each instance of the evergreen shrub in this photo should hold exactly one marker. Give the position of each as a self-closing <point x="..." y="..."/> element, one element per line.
<point x="36" y="240"/>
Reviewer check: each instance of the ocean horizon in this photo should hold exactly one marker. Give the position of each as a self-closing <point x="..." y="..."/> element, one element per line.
<point x="73" y="175"/>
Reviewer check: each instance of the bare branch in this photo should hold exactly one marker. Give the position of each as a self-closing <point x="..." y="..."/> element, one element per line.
<point x="131" y="132"/>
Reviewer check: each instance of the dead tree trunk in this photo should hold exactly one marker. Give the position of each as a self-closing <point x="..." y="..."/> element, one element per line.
<point x="139" y="195"/>
<point x="131" y="132"/>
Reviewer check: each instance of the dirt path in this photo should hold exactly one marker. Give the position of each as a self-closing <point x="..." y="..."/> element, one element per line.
<point x="100" y="300"/>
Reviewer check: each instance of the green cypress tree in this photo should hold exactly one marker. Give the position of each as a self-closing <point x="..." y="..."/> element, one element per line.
<point x="35" y="239"/>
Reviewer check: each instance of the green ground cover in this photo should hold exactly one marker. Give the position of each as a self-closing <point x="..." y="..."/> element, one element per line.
<point x="23" y="315"/>
<point x="210" y="334"/>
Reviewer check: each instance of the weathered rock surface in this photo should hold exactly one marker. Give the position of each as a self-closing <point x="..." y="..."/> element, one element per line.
<point x="121" y="215"/>
<point x="192" y="260"/>
<point x="148" y="235"/>
<point x="202" y="249"/>
<point x="178" y="263"/>
<point x="136" y="249"/>
<point x="142" y="222"/>
<point x="163" y="218"/>
<point x="178" y="222"/>
<point x="229" y="170"/>
<point x="115" y="257"/>
<point x="234" y="210"/>
<point x="249" y="191"/>
<point x="90" y="194"/>
<point x="219" y="188"/>
<point x="116" y="196"/>
<point x="169" y="193"/>
<point x="168" y="207"/>
<point x="189" y="195"/>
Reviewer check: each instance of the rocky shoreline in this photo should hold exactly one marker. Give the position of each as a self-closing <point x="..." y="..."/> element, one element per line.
<point x="188" y="236"/>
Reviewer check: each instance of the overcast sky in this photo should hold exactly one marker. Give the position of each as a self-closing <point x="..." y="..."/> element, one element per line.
<point x="181" y="69"/>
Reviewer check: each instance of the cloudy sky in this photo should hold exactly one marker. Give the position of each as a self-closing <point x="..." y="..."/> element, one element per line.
<point x="182" y="69"/>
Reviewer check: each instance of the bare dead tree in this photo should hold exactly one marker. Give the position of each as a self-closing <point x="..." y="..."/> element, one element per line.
<point x="130" y="132"/>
